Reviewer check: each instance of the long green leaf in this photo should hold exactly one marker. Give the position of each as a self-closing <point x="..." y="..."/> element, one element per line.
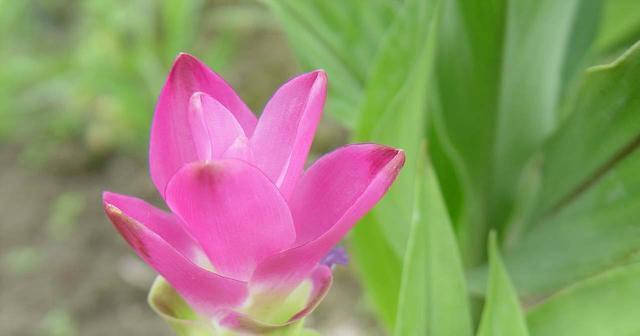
<point x="468" y="71"/>
<point x="621" y="24"/>
<point x="394" y="108"/>
<point x="598" y="231"/>
<point x="601" y="306"/>
<point x="398" y="122"/>
<point x="500" y="72"/>
<point x="589" y="190"/>
<point x="378" y="266"/>
<point x="433" y="297"/>
<point x="536" y="45"/>
<point x="502" y="314"/>
<point x="603" y="127"/>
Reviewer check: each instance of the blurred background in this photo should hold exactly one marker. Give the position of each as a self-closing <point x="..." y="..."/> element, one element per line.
<point x="78" y="84"/>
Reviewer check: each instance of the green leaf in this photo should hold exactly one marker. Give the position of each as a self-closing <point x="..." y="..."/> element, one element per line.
<point x="589" y="190"/>
<point x="601" y="306"/>
<point x="394" y="108"/>
<point x="620" y="24"/>
<point x="603" y="127"/>
<point x="502" y="314"/>
<point x="596" y="232"/>
<point x="341" y="37"/>
<point x="536" y="44"/>
<point x="581" y="46"/>
<point x="433" y="297"/>
<point x="500" y="73"/>
<point x="468" y="70"/>
<point x="398" y="122"/>
<point x="378" y="266"/>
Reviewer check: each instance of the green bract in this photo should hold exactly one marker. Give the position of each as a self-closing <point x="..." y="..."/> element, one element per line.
<point x="167" y="303"/>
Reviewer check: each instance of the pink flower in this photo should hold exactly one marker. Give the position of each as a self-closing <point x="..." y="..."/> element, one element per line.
<point x="247" y="226"/>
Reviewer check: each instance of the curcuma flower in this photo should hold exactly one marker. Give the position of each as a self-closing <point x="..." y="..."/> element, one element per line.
<point x="243" y="248"/>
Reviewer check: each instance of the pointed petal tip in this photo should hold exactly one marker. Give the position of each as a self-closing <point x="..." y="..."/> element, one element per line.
<point x="184" y="56"/>
<point x="184" y="61"/>
<point x="394" y="165"/>
<point x="107" y="203"/>
<point x="106" y="195"/>
<point x="316" y="77"/>
<point x="111" y="210"/>
<point x="400" y="158"/>
<point x="117" y="217"/>
<point x="320" y="74"/>
<point x="387" y="159"/>
<point x="321" y="79"/>
<point x="129" y="229"/>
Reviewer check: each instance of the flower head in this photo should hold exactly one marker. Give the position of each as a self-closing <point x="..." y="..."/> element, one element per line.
<point x="248" y="229"/>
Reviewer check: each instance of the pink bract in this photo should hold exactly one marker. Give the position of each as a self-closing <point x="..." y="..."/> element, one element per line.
<point x="245" y="217"/>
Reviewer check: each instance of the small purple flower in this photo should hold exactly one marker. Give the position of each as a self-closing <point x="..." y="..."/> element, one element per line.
<point x="337" y="256"/>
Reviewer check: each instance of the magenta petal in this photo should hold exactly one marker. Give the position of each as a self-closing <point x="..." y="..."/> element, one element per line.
<point x="347" y="181"/>
<point x="213" y="127"/>
<point x="172" y="143"/>
<point x="207" y="292"/>
<point x="286" y="128"/>
<point x="235" y="212"/>
<point x="329" y="199"/>
<point x="164" y="224"/>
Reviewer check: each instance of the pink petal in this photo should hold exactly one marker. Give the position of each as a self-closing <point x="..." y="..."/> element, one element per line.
<point x="286" y="128"/>
<point x="329" y="199"/>
<point x="207" y="292"/>
<point x="354" y="174"/>
<point x="213" y="127"/>
<point x="237" y="215"/>
<point x="164" y="224"/>
<point x="172" y="143"/>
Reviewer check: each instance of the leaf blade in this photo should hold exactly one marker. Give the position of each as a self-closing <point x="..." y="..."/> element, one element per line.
<point x="433" y="298"/>
<point x="502" y="314"/>
<point x="397" y="122"/>
<point x="603" y="305"/>
<point x="603" y="123"/>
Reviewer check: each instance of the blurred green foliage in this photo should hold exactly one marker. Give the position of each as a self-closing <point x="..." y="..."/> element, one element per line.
<point x="89" y="71"/>
<point x="22" y="260"/>
<point x="58" y="322"/>
<point x="64" y="213"/>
